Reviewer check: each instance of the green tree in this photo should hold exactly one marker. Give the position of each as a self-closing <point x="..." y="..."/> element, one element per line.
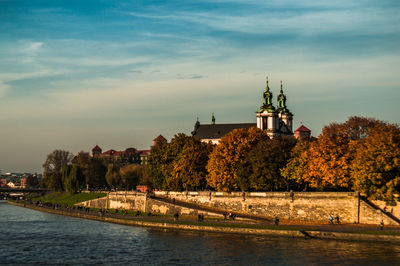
<point x="131" y="174"/>
<point x="112" y="176"/>
<point x="376" y="166"/>
<point x="32" y="181"/>
<point x="52" y="169"/>
<point x="228" y="155"/>
<point x="73" y="178"/>
<point x="156" y="161"/>
<point x="261" y="168"/>
<point x="96" y="174"/>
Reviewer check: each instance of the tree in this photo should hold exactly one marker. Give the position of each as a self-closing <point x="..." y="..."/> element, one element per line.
<point x="297" y="166"/>
<point x="189" y="165"/>
<point x="228" y="155"/>
<point x="130" y="156"/>
<point x="376" y="166"/>
<point x="73" y="178"/>
<point x="112" y="176"/>
<point x="96" y="173"/>
<point x="131" y="174"/>
<point x="32" y="181"/>
<point x="52" y="168"/>
<point x="156" y="161"/>
<point x="330" y="157"/>
<point x="261" y="168"/>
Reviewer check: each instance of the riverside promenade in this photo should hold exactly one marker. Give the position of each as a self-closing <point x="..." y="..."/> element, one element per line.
<point x="292" y="229"/>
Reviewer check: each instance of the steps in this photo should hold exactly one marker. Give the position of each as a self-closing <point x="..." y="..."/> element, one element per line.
<point x="209" y="209"/>
<point x="386" y="214"/>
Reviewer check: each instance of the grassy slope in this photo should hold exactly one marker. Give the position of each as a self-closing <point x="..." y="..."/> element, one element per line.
<point x="64" y="198"/>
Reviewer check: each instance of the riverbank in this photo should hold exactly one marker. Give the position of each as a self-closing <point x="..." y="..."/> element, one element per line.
<point x="228" y="227"/>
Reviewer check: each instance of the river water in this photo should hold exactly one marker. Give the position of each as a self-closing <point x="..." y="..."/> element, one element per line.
<point x="33" y="237"/>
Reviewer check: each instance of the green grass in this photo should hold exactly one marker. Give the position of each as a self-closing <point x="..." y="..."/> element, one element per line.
<point x="377" y="232"/>
<point x="64" y="198"/>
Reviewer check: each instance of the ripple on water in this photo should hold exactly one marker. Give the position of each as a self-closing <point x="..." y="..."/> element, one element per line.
<point x="28" y="236"/>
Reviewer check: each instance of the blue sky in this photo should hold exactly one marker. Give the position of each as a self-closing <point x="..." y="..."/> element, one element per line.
<point x="74" y="74"/>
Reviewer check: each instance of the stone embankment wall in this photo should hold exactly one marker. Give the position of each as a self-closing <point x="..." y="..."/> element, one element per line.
<point x="300" y="206"/>
<point x="139" y="201"/>
<point x="303" y="206"/>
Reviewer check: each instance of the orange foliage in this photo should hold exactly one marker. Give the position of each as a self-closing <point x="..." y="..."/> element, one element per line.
<point x="228" y="154"/>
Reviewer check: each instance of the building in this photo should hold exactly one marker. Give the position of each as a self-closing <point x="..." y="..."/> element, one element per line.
<point x="130" y="155"/>
<point x="302" y="133"/>
<point x="276" y="121"/>
<point x="3" y="182"/>
<point x="22" y="183"/>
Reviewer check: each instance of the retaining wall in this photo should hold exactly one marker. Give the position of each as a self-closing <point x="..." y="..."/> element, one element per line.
<point x="300" y="206"/>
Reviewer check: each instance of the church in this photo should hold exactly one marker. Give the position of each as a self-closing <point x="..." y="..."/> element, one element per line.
<point x="276" y="121"/>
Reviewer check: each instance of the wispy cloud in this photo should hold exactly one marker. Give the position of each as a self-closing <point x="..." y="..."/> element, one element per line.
<point x="191" y="76"/>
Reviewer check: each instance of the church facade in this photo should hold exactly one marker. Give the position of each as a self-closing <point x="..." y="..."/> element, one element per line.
<point x="276" y="121"/>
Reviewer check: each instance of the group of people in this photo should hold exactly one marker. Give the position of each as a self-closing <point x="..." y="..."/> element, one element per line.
<point x="331" y="220"/>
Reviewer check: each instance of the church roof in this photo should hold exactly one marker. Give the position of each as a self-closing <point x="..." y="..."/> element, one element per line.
<point x="216" y="131"/>
<point x="302" y="129"/>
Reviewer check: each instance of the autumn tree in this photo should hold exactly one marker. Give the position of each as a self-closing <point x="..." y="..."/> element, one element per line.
<point x="261" y="168"/>
<point x="228" y="155"/>
<point x="376" y="166"/>
<point x="331" y="155"/>
<point x="113" y="177"/>
<point x="52" y="168"/>
<point x="189" y="166"/>
<point x="296" y="167"/>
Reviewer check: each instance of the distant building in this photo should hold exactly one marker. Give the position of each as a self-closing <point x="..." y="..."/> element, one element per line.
<point x="3" y="182"/>
<point x="275" y="121"/>
<point x="22" y="182"/>
<point x="130" y="154"/>
<point x="158" y="138"/>
<point x="11" y="184"/>
<point x="96" y="151"/>
<point x="302" y="133"/>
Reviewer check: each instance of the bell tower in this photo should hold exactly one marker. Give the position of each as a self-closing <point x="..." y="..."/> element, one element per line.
<point x="267" y="118"/>
<point x="283" y="112"/>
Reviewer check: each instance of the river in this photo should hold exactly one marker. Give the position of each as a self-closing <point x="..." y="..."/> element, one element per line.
<point x="32" y="237"/>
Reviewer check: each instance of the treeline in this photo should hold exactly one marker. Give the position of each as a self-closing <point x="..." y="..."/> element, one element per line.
<point x="362" y="154"/>
<point x="62" y="171"/>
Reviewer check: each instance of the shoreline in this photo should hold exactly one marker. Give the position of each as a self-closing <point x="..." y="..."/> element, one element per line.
<point x="308" y="234"/>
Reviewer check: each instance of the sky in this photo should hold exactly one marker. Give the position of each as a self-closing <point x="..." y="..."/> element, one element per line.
<point x="74" y="74"/>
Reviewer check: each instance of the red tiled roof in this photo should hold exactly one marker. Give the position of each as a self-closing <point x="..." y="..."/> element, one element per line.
<point x="109" y="152"/>
<point x="302" y="129"/>
<point x="96" y="148"/>
<point x="160" y="137"/>
<point x="144" y="152"/>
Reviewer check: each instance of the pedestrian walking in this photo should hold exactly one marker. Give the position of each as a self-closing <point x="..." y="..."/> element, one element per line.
<point x="276" y="220"/>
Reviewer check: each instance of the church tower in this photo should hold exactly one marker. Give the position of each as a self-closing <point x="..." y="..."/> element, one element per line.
<point x="283" y="112"/>
<point x="277" y="121"/>
<point x="267" y="118"/>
